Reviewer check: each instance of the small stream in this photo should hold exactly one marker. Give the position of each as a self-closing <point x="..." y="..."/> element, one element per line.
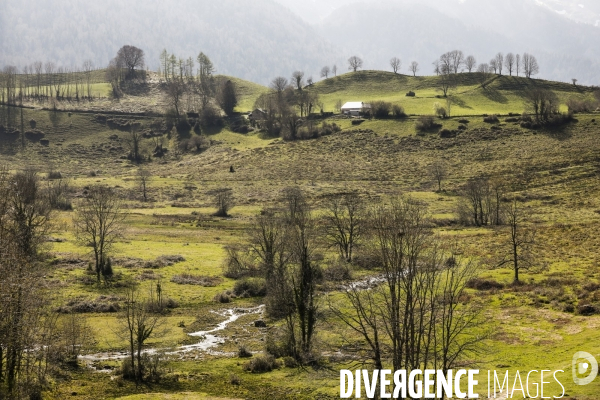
<point x="208" y="338"/>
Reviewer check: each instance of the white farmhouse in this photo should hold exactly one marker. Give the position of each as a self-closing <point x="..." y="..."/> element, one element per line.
<point x="355" y="108"/>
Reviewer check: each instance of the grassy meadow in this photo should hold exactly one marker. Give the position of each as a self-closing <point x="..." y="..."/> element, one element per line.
<point x="533" y="326"/>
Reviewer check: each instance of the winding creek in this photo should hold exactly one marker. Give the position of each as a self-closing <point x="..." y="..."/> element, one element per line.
<point x="208" y="338"/>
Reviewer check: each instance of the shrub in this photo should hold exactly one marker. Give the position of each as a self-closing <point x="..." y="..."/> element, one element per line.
<point x="290" y="362"/>
<point x="211" y="116"/>
<point x="512" y="119"/>
<point x="491" y="119"/>
<point x="32" y="123"/>
<point x="426" y="122"/>
<point x="398" y="111"/>
<point x="237" y="263"/>
<point x="484" y="284"/>
<point x="462" y="128"/>
<point x="200" y="280"/>
<point x="328" y="129"/>
<point x="381" y="109"/>
<point x="222" y="298"/>
<point x="54" y="175"/>
<point x="439" y="110"/>
<point x="250" y="287"/>
<point x="447" y="133"/>
<point x="338" y="271"/>
<point x="587" y="309"/>
<point x="577" y="106"/>
<point x="367" y="260"/>
<point x="261" y="363"/>
<point x="410" y="93"/>
<point x="127" y="371"/>
<point x="463" y="121"/>
<point x="243" y="352"/>
<point x="357" y="121"/>
<point x="183" y="126"/>
<point x="234" y="379"/>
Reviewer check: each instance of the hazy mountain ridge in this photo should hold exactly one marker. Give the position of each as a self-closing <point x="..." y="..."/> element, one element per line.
<point x="252" y="41"/>
<point x="266" y="38"/>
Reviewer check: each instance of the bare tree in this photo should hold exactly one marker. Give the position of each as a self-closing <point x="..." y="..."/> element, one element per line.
<point x="344" y="223"/>
<point x="99" y="224"/>
<point x="134" y="142"/>
<point x="76" y="334"/>
<point x="482" y="199"/>
<point x="268" y="243"/>
<point x="325" y="72"/>
<point x="470" y="63"/>
<point x="88" y="67"/>
<point x="530" y="65"/>
<point x="494" y="65"/>
<point x="279" y="84"/>
<point x="175" y="89"/>
<point x="298" y="79"/>
<point x="457" y="59"/>
<point x="519" y="247"/>
<point x="138" y="324"/>
<point x="413" y="318"/>
<point x="446" y="82"/>
<point x="509" y="61"/>
<point x="302" y="236"/>
<point x="223" y="200"/>
<point x="499" y="62"/>
<point x="484" y="73"/>
<point x="143" y="178"/>
<point x="543" y="103"/>
<point x="414" y="68"/>
<point x="439" y="172"/>
<point x="334" y="70"/>
<point x="395" y="63"/>
<point x="131" y="58"/>
<point x="517" y="63"/>
<point x="355" y="63"/>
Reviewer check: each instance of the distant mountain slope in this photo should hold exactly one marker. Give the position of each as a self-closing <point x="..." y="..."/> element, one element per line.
<point x="424" y="30"/>
<point x="255" y="40"/>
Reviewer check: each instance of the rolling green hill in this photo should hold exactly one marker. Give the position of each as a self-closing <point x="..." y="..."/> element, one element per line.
<point x="501" y="95"/>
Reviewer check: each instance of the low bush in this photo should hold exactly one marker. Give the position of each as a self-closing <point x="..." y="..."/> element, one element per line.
<point x="410" y="93"/>
<point x="200" y="280"/>
<point x="261" y="363"/>
<point x="237" y="264"/>
<point x="243" y="352"/>
<point x="578" y="106"/>
<point x="491" y="119"/>
<point x="447" y="133"/>
<point x="250" y="287"/>
<point x="426" y="123"/>
<point x="211" y="116"/>
<point x="398" y="111"/>
<point x="463" y="121"/>
<point x="164" y="261"/>
<point x="381" y="109"/>
<point x="222" y="298"/>
<point x="484" y="284"/>
<point x="439" y="110"/>
<point x="338" y="271"/>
